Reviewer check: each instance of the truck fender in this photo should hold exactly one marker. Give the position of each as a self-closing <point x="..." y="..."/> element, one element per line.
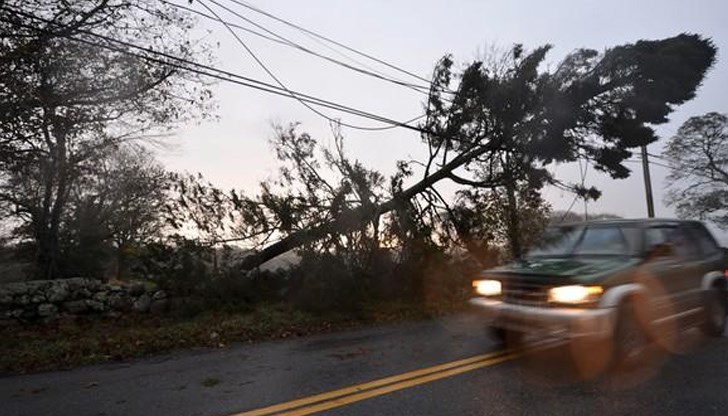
<point x="711" y="278"/>
<point x="613" y="296"/>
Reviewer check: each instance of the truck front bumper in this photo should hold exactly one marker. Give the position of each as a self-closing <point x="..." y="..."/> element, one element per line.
<point x="552" y="322"/>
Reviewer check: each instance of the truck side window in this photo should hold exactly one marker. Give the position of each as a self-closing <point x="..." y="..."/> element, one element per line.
<point x="683" y="243"/>
<point x="657" y="235"/>
<point x="706" y="242"/>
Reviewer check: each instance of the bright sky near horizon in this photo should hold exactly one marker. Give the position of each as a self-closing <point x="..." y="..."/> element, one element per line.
<point x="414" y="34"/>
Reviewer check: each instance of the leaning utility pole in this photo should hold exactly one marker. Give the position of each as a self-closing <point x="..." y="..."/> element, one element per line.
<point x="648" y="183"/>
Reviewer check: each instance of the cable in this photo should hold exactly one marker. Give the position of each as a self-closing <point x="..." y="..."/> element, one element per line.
<point x="568" y="211"/>
<point x="652" y="162"/>
<point x="283" y="42"/>
<point x="699" y="175"/>
<point x="274" y="37"/>
<point x="345" y="56"/>
<point x="237" y="26"/>
<point x="659" y="164"/>
<point x="583" y="181"/>
<point x="582" y="173"/>
<point x="662" y="165"/>
<point x="312" y="99"/>
<point x="279" y="82"/>
<point x="211" y="72"/>
<point x="658" y="157"/>
<point x="322" y="37"/>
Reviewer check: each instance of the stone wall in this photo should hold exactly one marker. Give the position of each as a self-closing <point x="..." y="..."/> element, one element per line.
<point x="49" y="300"/>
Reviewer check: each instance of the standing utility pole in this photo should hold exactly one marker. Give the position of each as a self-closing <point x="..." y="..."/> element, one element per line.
<point x="648" y="183"/>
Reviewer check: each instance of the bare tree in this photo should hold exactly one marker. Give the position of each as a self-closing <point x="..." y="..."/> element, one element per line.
<point x="66" y="95"/>
<point x="121" y="200"/>
<point x="698" y="158"/>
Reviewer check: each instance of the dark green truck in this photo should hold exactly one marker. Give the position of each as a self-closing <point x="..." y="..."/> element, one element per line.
<point x="623" y="281"/>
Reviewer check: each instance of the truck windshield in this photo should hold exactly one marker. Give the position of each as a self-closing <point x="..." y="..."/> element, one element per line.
<point x="587" y="240"/>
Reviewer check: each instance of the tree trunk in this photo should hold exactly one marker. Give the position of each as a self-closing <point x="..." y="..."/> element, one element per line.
<point x="48" y="248"/>
<point x="56" y="181"/>
<point x="355" y="218"/>
<point x="513" y="221"/>
<point x="121" y="262"/>
<point x="54" y="249"/>
<point x="43" y="259"/>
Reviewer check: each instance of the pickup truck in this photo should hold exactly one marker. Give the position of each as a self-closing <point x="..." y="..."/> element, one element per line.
<point x="629" y="282"/>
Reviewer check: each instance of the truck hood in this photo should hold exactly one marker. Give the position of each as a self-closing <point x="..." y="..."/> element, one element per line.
<point x="578" y="269"/>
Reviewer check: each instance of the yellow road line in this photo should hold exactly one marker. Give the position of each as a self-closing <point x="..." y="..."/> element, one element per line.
<point x="343" y="401"/>
<point x="358" y="388"/>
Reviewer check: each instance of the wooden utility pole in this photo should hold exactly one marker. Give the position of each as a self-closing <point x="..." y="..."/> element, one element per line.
<point x="648" y="183"/>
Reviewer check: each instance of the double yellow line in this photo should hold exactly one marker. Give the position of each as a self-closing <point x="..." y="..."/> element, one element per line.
<point x="358" y="392"/>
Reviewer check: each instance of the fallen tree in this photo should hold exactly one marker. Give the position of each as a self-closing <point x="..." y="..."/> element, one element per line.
<point x="505" y="121"/>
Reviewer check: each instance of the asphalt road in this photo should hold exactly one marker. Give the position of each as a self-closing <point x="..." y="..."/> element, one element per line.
<point x="442" y="367"/>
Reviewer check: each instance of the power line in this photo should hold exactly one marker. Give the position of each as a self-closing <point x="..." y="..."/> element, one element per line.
<point x="652" y="162"/>
<point x="583" y="177"/>
<point x="277" y="80"/>
<point x="582" y="174"/>
<point x="658" y="157"/>
<point x="568" y="211"/>
<point x="237" y="26"/>
<point x="662" y="165"/>
<point x="275" y="37"/>
<point x="209" y="71"/>
<point x="322" y="37"/>
<point x="344" y="55"/>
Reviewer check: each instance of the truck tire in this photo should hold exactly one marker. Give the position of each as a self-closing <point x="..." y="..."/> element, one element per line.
<point x="504" y="337"/>
<point x="631" y="341"/>
<point x="714" y="319"/>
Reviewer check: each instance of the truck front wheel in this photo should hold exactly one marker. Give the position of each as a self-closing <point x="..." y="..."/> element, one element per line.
<point x="631" y="340"/>
<point x="505" y="337"/>
<point x="714" y="320"/>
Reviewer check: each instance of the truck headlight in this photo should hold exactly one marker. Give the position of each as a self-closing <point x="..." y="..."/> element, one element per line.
<point x="575" y="294"/>
<point x="488" y="287"/>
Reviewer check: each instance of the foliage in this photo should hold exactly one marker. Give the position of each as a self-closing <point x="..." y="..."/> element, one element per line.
<point x="567" y="217"/>
<point x="113" y="210"/>
<point x="499" y="128"/>
<point x="67" y="96"/>
<point x="698" y="158"/>
<point x="505" y="121"/>
<point x="127" y="192"/>
<point x="181" y="266"/>
<point x="326" y="283"/>
<point x="391" y="255"/>
<point x="482" y="219"/>
<point x="84" y="245"/>
<point x="314" y="185"/>
<point x="196" y="207"/>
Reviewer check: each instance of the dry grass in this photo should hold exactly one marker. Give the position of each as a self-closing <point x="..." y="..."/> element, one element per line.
<point x="83" y="342"/>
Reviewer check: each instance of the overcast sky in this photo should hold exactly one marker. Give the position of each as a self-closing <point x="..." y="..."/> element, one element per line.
<point x="414" y="34"/>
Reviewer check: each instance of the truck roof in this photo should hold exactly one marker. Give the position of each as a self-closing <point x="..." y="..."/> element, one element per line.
<point x="624" y="221"/>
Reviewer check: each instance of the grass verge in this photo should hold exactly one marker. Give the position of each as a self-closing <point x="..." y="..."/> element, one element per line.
<point x="67" y="345"/>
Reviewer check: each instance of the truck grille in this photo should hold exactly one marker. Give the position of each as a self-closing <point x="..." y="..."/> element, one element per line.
<point x="525" y="294"/>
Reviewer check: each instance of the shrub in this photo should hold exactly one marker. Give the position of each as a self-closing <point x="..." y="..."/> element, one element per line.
<point x="180" y="268"/>
<point x="323" y="282"/>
